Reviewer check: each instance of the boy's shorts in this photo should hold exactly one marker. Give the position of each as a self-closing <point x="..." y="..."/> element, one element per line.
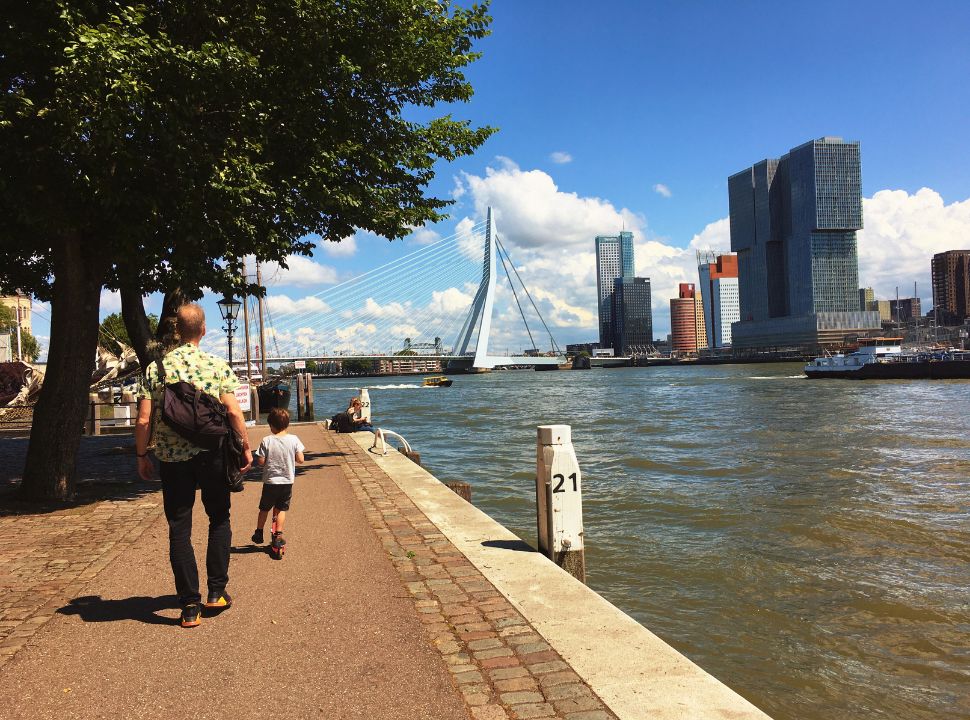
<point x="276" y="496"/>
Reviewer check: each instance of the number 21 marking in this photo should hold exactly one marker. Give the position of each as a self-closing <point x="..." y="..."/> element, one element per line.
<point x="562" y="479"/>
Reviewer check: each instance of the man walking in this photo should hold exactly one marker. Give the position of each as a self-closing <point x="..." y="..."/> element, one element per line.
<point x="184" y="467"/>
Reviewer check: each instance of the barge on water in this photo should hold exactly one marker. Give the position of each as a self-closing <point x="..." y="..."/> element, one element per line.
<point x="884" y="359"/>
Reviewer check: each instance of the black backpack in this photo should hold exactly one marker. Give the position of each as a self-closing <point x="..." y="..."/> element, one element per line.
<point x="192" y="414"/>
<point x="342" y="423"/>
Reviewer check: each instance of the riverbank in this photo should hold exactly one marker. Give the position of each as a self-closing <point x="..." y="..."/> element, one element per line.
<point x="376" y="611"/>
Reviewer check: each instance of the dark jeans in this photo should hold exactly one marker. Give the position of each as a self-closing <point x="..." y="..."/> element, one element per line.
<point x="179" y="481"/>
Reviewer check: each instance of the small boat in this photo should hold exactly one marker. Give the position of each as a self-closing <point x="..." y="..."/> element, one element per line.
<point x="273" y="394"/>
<point x="437" y="381"/>
<point x="883" y="359"/>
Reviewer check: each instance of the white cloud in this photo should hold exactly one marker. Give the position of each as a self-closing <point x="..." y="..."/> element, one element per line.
<point x="715" y="236"/>
<point x="663" y="190"/>
<point x="902" y="233"/>
<point x="284" y="305"/>
<point x="532" y="211"/>
<point x="450" y="302"/>
<point x="392" y="310"/>
<point x="560" y="157"/>
<point x="423" y="236"/>
<point x="301" y="272"/>
<point x="110" y="302"/>
<point x="346" y="248"/>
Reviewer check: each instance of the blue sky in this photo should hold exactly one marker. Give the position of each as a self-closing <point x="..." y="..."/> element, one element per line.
<point x="633" y="114"/>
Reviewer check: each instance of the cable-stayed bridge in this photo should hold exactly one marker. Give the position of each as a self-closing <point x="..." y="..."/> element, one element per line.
<point x="460" y="300"/>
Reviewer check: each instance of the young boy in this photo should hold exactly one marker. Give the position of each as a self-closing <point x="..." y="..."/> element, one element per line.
<point x="279" y="454"/>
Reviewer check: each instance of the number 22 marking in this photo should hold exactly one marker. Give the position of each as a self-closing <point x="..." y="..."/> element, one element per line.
<point x="562" y="479"/>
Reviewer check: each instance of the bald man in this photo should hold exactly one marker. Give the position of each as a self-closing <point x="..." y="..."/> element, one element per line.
<point x="183" y="467"/>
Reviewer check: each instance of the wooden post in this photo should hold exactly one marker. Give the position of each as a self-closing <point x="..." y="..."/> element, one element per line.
<point x="460" y="488"/>
<point x="254" y="402"/>
<point x="299" y="397"/>
<point x="94" y="425"/>
<point x="308" y="386"/>
<point x="559" y="500"/>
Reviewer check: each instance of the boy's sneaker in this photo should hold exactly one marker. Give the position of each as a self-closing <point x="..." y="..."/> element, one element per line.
<point x="191" y="615"/>
<point x="218" y="601"/>
<point x="278" y="539"/>
<point x="258" y="537"/>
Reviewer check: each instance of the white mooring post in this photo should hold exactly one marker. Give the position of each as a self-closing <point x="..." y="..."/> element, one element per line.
<point x="365" y="404"/>
<point x="559" y="500"/>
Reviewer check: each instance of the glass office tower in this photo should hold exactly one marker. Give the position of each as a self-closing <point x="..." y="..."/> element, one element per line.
<point x="632" y="315"/>
<point x="614" y="259"/>
<point x="793" y="227"/>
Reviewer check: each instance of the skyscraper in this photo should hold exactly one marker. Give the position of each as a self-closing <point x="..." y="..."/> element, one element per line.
<point x="687" y="320"/>
<point x="866" y="296"/>
<point x="632" y="314"/>
<point x="793" y="226"/>
<point x="614" y="259"/>
<point x="951" y="286"/>
<point x="719" y="294"/>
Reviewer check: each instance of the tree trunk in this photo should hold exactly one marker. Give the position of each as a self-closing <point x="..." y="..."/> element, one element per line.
<point x="136" y="324"/>
<point x="61" y="409"/>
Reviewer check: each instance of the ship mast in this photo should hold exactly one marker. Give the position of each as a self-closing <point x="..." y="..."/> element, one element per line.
<point x="249" y="362"/>
<point x="262" y="326"/>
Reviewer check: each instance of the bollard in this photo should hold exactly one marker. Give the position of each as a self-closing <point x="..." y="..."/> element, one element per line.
<point x="94" y="422"/>
<point x="299" y="397"/>
<point x="309" y="397"/>
<point x="460" y="488"/>
<point x="128" y="398"/>
<point x="365" y="404"/>
<point x="254" y="402"/>
<point x="559" y="500"/>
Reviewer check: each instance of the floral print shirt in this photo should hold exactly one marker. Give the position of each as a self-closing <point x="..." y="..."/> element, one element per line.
<point x="186" y="363"/>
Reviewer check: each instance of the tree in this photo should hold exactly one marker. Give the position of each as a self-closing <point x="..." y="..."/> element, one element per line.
<point x="112" y="333"/>
<point x="357" y="366"/>
<point x="29" y="347"/>
<point x="149" y="147"/>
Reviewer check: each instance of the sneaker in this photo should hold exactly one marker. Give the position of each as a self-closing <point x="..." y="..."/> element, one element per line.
<point x="191" y="615"/>
<point x="218" y="601"/>
<point x="279" y="540"/>
<point x="258" y="537"/>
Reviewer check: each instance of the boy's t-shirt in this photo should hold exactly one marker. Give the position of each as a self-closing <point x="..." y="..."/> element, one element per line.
<point x="280" y="453"/>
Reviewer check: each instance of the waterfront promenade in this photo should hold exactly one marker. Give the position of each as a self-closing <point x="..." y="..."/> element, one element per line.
<point x="372" y="614"/>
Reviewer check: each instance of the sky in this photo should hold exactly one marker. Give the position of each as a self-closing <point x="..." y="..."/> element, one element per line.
<point x="631" y="114"/>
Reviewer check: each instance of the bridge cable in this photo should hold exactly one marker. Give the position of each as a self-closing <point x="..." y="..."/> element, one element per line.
<point x="508" y="275"/>
<point x="555" y="346"/>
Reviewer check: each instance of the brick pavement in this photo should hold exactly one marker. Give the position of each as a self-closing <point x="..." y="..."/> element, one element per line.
<point x="47" y="557"/>
<point x="503" y="667"/>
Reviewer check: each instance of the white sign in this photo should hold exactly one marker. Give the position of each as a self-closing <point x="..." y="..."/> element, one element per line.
<point x="299" y="364"/>
<point x="242" y="397"/>
<point x="559" y="491"/>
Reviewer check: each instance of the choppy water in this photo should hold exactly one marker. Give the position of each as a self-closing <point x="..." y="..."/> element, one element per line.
<point x="806" y="542"/>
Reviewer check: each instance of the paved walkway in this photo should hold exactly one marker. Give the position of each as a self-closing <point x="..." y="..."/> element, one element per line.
<point x="372" y="614"/>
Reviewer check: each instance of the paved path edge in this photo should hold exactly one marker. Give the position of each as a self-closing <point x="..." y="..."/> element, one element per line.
<point x="634" y="672"/>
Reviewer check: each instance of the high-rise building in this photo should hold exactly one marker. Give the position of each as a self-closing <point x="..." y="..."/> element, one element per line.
<point x="719" y="295"/>
<point x="951" y="286"/>
<point x="866" y="297"/>
<point x="793" y="226"/>
<point x="614" y="259"/>
<point x="905" y="309"/>
<point x="632" y="314"/>
<point x="687" y="320"/>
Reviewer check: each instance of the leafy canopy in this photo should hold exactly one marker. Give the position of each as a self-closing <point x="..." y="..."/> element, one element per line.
<point x="177" y="136"/>
<point x="112" y="333"/>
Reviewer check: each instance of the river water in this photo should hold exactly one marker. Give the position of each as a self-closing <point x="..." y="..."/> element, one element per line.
<point x="806" y="542"/>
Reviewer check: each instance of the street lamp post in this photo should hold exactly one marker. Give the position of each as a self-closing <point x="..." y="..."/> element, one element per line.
<point x="229" y="309"/>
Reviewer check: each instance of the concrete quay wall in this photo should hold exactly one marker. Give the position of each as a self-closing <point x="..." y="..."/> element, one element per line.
<point x="635" y="673"/>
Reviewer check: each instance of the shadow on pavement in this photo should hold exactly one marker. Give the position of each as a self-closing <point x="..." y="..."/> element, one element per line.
<point x="94" y="608"/>
<point x="249" y="549"/>
<point x="518" y="545"/>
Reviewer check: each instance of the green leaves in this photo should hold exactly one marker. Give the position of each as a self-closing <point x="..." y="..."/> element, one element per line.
<point x="174" y="137"/>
